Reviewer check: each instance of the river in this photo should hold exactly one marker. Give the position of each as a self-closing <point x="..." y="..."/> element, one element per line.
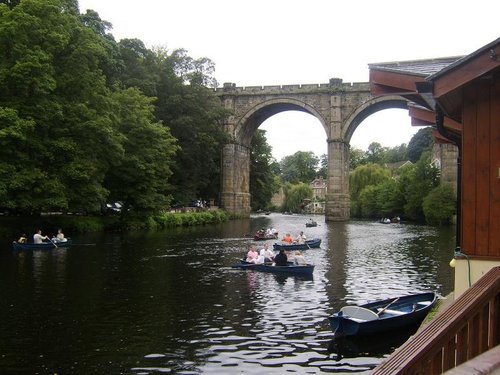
<point x="169" y="301"/>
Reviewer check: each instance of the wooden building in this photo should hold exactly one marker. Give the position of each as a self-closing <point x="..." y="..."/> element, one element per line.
<point x="460" y="97"/>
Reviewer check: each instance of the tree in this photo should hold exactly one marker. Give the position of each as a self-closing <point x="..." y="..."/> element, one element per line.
<point x="323" y="170"/>
<point x="375" y="153"/>
<point x="368" y="201"/>
<point x="295" y="196"/>
<point x="396" y="154"/>
<point x="299" y="167"/>
<point x="365" y="175"/>
<point x="357" y="157"/>
<point x="417" y="182"/>
<point x="422" y="141"/>
<point x="262" y="179"/>
<point x="440" y="205"/>
<point x="141" y="180"/>
<point x="195" y="116"/>
<point x="52" y="76"/>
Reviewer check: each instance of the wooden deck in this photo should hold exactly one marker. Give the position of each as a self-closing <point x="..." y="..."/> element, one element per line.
<point x="466" y="329"/>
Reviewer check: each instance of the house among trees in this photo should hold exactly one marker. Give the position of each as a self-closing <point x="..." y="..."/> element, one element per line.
<point x="460" y="97"/>
<point x="318" y="185"/>
<point x="317" y="204"/>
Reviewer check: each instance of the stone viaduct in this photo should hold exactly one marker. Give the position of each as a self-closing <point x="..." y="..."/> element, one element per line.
<point x="340" y="108"/>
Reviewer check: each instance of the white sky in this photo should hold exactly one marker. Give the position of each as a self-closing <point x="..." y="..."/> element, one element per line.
<point x="280" y="42"/>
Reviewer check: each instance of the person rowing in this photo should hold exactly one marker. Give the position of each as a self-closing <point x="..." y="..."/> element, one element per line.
<point x="38" y="238"/>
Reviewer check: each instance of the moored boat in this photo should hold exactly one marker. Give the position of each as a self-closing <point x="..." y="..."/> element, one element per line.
<point x="41" y="246"/>
<point x="309" y="244"/>
<point x="306" y="269"/>
<point x="382" y="316"/>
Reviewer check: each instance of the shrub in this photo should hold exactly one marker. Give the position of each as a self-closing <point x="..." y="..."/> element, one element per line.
<point x="439" y="205"/>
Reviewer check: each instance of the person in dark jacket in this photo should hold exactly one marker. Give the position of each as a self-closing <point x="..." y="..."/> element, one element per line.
<point x="281" y="259"/>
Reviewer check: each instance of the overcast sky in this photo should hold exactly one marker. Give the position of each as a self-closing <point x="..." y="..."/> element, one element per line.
<point x="280" y="42"/>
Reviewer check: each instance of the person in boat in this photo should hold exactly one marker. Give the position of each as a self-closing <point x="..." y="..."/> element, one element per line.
<point x="261" y="259"/>
<point x="299" y="259"/>
<point x="301" y="238"/>
<point x="38" y="238"/>
<point x="267" y="253"/>
<point x="252" y="255"/>
<point x="281" y="259"/>
<point x="60" y="236"/>
<point x="22" y="239"/>
<point x="287" y="239"/>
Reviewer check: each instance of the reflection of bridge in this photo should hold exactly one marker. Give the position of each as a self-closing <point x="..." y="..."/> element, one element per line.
<point x="340" y="108"/>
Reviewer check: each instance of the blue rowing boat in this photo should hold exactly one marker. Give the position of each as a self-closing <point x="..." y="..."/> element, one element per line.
<point x="309" y="244"/>
<point x="41" y="246"/>
<point x="293" y="269"/>
<point x="382" y="316"/>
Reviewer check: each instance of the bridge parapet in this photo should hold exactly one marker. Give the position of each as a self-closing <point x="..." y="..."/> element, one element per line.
<point x="334" y="85"/>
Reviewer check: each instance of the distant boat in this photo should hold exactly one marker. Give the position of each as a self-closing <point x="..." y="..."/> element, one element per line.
<point x="382" y="316"/>
<point x="309" y="244"/>
<point x="41" y="246"/>
<point x="306" y="269"/>
<point x="311" y="223"/>
<point x="264" y="237"/>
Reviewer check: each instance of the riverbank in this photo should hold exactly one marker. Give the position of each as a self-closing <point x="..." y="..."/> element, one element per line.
<point x="13" y="226"/>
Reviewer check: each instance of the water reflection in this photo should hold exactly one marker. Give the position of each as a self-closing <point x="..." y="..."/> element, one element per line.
<point x="146" y="303"/>
<point x="376" y="346"/>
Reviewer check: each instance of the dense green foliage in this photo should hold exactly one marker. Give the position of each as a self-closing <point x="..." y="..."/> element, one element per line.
<point x="421" y="142"/>
<point x="440" y="205"/>
<point x="263" y="184"/>
<point x="85" y="120"/>
<point x="377" y="192"/>
<point x="295" y="195"/>
<point x="299" y="167"/>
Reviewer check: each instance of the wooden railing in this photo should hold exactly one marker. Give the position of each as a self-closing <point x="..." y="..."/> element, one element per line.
<point x="467" y="328"/>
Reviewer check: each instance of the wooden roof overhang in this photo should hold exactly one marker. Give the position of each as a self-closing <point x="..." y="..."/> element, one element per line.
<point x="447" y="83"/>
<point x="409" y="79"/>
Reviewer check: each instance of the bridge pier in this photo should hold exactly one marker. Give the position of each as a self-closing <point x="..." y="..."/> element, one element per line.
<point x="337" y="198"/>
<point x="235" y="184"/>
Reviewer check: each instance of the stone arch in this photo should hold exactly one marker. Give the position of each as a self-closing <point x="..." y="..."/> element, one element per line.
<point x="368" y="108"/>
<point x="254" y="117"/>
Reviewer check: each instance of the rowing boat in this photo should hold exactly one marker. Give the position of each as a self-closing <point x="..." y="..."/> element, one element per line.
<point x="309" y="244"/>
<point x="41" y="246"/>
<point x="291" y="268"/>
<point x="381" y="316"/>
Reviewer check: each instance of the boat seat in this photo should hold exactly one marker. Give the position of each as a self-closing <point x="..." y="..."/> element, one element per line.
<point x="393" y="312"/>
<point x="424" y="303"/>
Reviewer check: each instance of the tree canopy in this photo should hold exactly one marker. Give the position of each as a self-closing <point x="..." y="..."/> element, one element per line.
<point x="86" y="120"/>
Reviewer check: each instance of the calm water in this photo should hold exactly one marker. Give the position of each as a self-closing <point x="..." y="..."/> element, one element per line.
<point x="169" y="302"/>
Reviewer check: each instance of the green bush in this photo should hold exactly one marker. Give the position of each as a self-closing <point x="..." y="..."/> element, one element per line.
<point x="439" y="205"/>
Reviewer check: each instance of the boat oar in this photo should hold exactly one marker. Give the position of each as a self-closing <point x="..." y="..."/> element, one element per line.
<point x="385" y="308"/>
<point x="52" y="242"/>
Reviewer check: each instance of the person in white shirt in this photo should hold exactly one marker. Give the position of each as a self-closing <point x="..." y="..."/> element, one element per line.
<point x="38" y="238"/>
<point x="301" y="238"/>
<point x="267" y="253"/>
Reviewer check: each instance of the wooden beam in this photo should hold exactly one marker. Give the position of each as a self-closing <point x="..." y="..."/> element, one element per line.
<point x="466" y="72"/>
<point x="425" y="116"/>
<point x="398" y="82"/>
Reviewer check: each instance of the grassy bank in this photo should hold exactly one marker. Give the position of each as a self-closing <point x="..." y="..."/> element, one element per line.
<point x="13" y="226"/>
